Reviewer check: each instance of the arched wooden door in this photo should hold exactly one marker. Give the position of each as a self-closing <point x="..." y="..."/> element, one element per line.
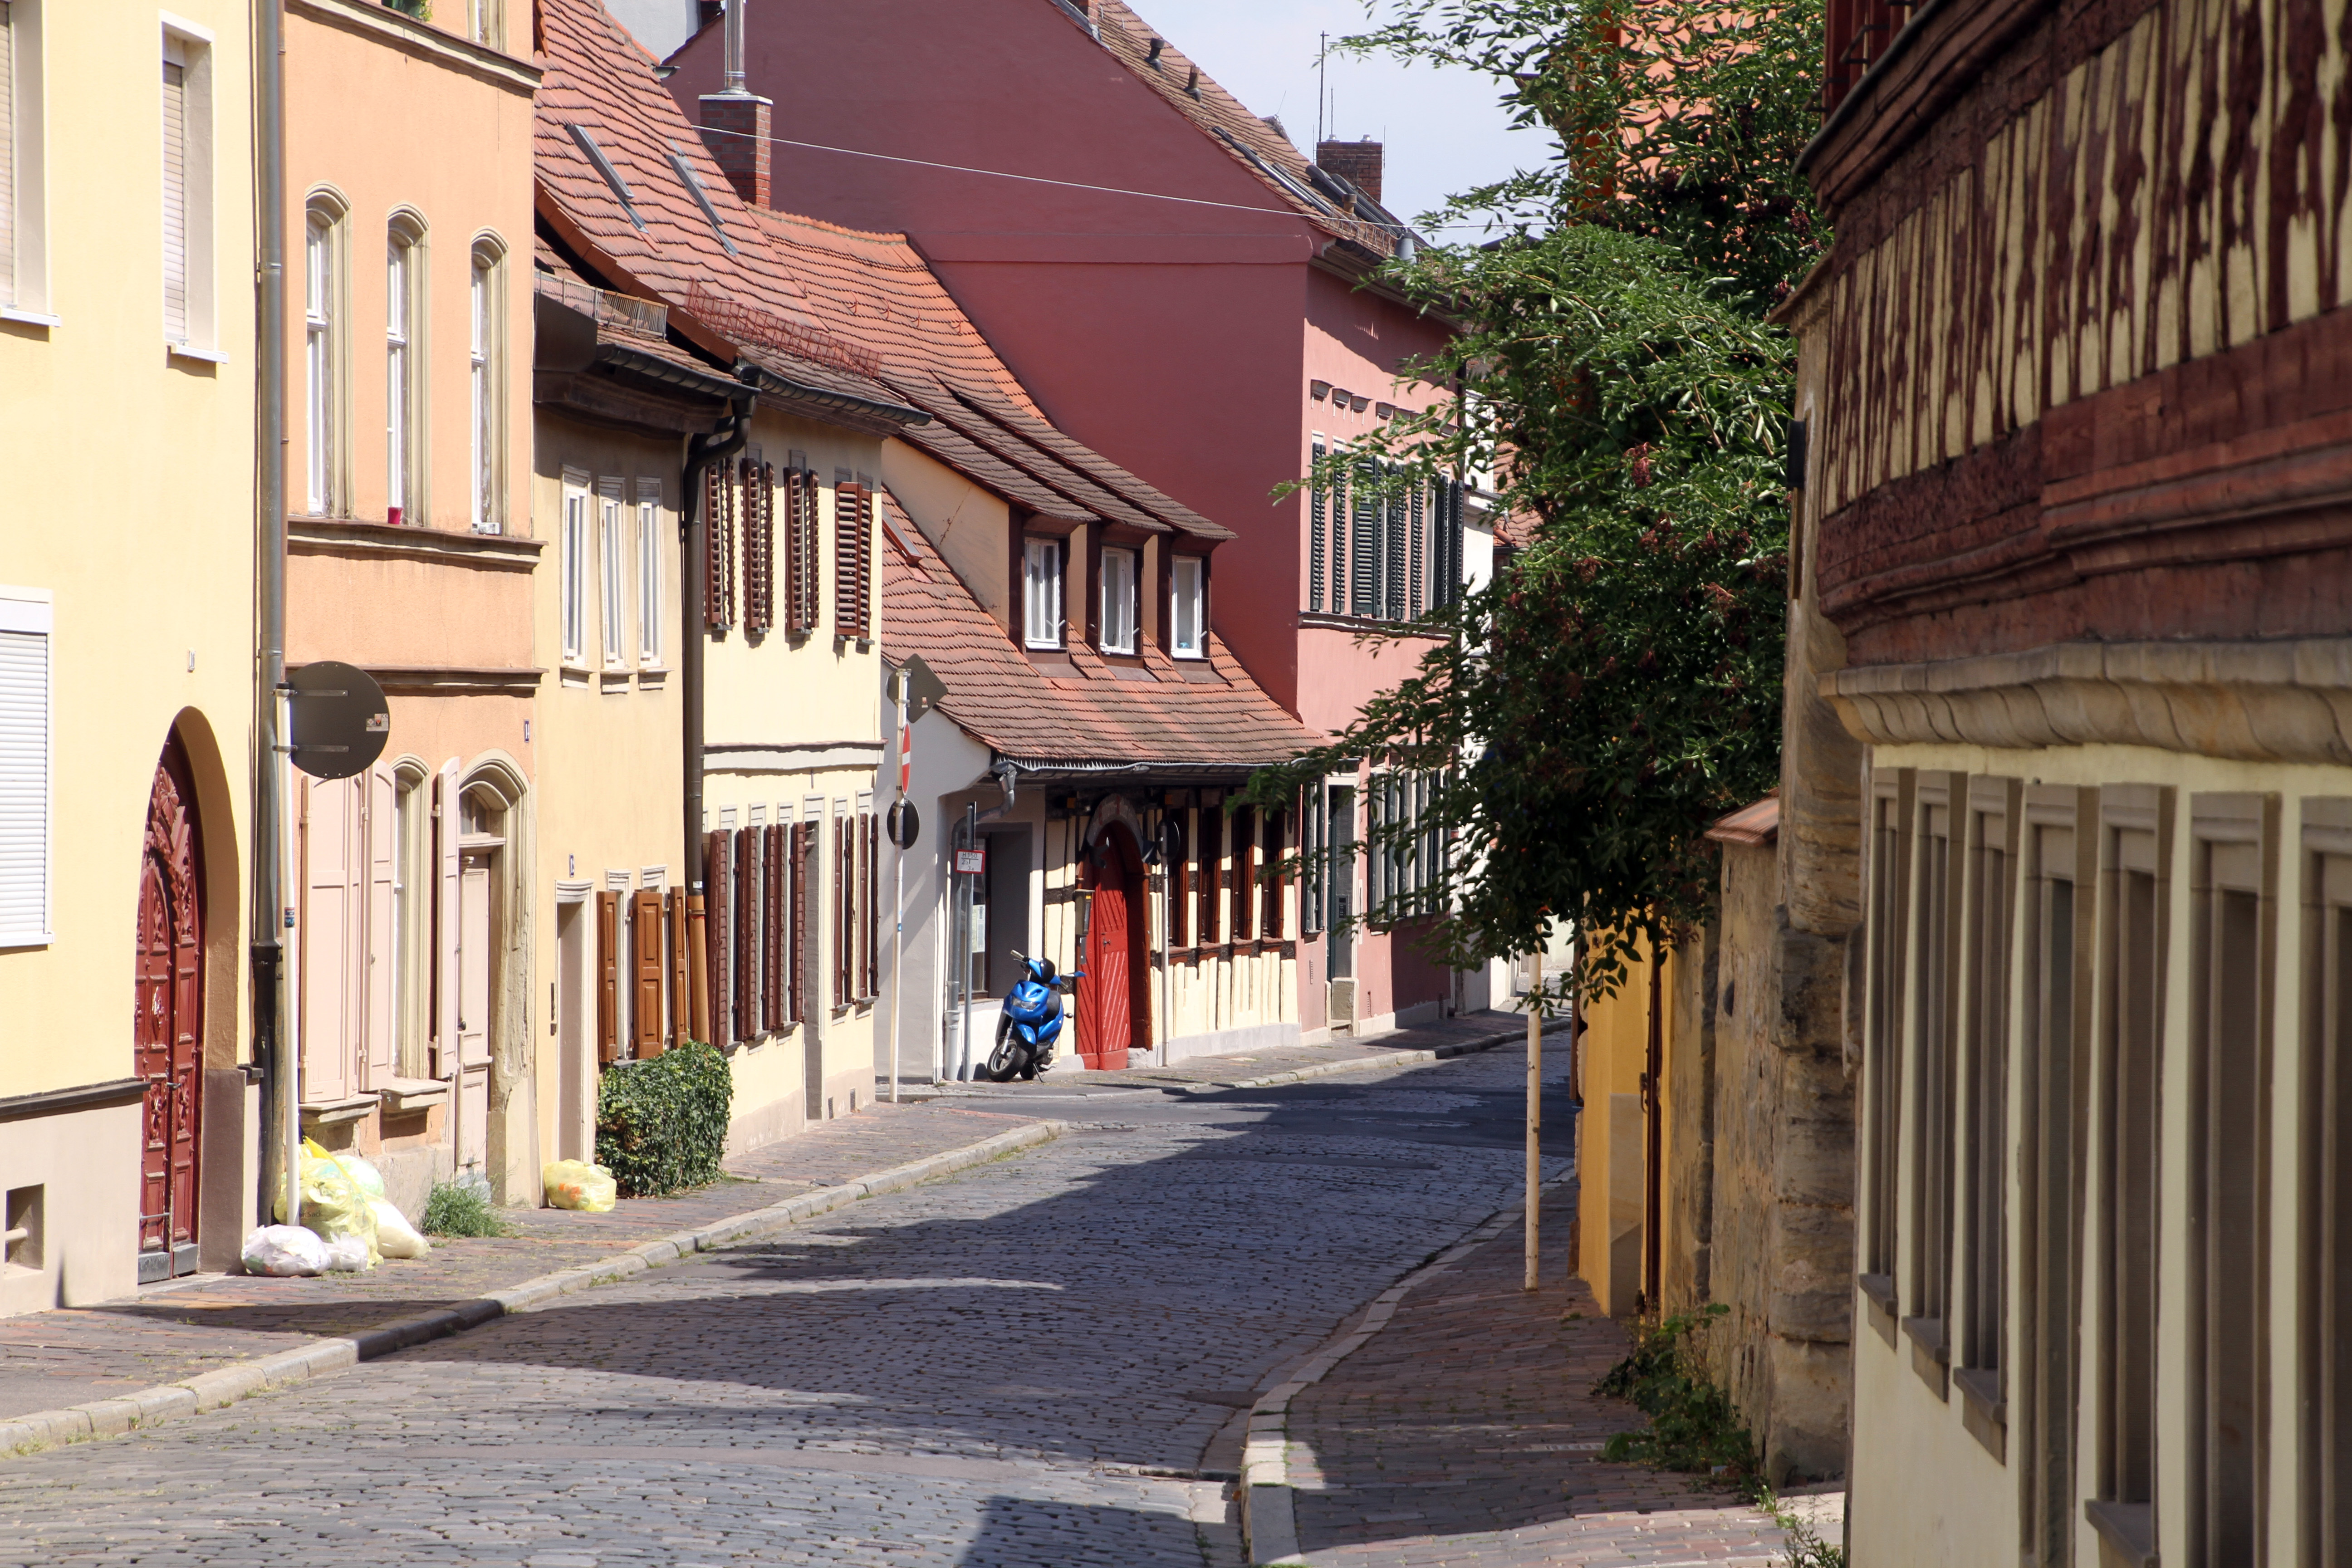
<point x="168" y="1031"/>
<point x="1110" y="1020"/>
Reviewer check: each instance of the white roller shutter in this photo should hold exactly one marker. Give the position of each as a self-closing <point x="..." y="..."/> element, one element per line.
<point x="23" y="773"/>
<point x="175" y="203"/>
<point x="8" y="159"/>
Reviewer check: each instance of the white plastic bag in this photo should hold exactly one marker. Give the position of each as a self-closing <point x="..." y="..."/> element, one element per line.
<point x="284" y="1251"/>
<point x="332" y="1204"/>
<point x="395" y="1236"/>
<point x="349" y="1255"/>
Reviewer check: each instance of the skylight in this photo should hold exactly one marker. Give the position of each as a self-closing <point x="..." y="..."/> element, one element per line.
<point x="702" y="199"/>
<point x="595" y="155"/>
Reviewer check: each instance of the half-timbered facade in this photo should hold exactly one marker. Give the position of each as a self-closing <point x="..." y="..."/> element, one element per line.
<point x="2073" y="568"/>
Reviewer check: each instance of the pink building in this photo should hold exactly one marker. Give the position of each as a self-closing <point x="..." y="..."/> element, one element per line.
<point x="1206" y="335"/>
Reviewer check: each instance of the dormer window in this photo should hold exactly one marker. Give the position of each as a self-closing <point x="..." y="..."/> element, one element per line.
<point x="1187" y="607"/>
<point x="1041" y="593"/>
<point x="1119" y="605"/>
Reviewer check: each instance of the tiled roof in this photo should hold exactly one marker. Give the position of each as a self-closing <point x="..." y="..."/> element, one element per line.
<point x="1754" y="826"/>
<point x="1249" y="140"/>
<point x="873" y="292"/>
<point x="599" y="100"/>
<point x="1087" y="714"/>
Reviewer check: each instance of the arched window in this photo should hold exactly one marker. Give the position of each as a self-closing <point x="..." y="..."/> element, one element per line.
<point x="404" y="317"/>
<point x="485" y="369"/>
<point x="321" y="354"/>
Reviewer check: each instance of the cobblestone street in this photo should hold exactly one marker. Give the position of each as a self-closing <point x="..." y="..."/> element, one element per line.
<point x="1045" y="1361"/>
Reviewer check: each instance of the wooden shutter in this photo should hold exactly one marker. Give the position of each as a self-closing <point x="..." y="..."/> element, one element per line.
<point x="445" y="924"/>
<point x="1207" y="851"/>
<point x="841" y="837"/>
<point x="1393" y="598"/>
<point x="810" y="553"/>
<point x="851" y="506"/>
<point x="1270" y="923"/>
<point x="1179" y="894"/>
<point x="1318" y="513"/>
<point x="681" y="988"/>
<point x="717" y="934"/>
<point x="645" y="959"/>
<point x="759" y="546"/>
<point x="1416" y="573"/>
<point x="776" y="852"/>
<point x="872" y="905"/>
<point x="1363" y="549"/>
<point x="803" y="838"/>
<point x="714" y="551"/>
<point x="797" y="586"/>
<point x="1244" y="847"/>
<point x="379" y="976"/>
<point x="698" y="968"/>
<point x="747" y="934"/>
<point x="175" y="203"/>
<point x="608" y="977"/>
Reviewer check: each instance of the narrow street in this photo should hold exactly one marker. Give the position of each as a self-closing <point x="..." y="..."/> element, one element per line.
<point x="1023" y="1364"/>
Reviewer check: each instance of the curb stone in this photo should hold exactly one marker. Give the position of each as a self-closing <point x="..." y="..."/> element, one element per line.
<point x="1268" y="1501"/>
<point x="146" y="1407"/>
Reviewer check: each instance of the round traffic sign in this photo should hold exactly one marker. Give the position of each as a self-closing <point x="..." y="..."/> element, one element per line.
<point x="905" y="823"/>
<point x="339" y="720"/>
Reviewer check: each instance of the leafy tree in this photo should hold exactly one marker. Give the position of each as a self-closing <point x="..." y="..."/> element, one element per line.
<point x="1617" y="686"/>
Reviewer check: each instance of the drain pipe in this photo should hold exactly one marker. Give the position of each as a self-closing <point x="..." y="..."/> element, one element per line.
<point x="272" y="1046"/>
<point x="701" y="451"/>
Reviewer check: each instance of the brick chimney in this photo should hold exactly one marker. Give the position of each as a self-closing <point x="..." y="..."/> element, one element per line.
<point x="1357" y="163"/>
<point x="735" y="121"/>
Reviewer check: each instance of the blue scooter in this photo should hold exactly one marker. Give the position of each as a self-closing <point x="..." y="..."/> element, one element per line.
<point x="1031" y="1023"/>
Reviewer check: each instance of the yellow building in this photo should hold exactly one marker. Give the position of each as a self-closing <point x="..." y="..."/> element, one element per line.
<point x="126" y="617"/>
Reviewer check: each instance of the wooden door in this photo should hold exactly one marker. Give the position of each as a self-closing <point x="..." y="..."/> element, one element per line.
<point x="332" y="939"/>
<point x="475" y="978"/>
<point x="1113" y="956"/>
<point x="168" y="1029"/>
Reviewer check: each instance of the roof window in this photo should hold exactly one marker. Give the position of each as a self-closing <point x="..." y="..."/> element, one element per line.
<point x="595" y="154"/>
<point x="701" y="198"/>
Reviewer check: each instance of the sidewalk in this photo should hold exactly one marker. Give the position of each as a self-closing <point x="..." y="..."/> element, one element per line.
<point x="168" y="1333"/>
<point x="1461" y="1432"/>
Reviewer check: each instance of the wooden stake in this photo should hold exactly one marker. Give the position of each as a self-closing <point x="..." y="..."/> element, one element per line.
<point x="1535" y="1114"/>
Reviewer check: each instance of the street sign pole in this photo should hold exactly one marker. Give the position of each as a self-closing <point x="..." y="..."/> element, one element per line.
<point x="1535" y="1114"/>
<point x="898" y="895"/>
<point x="290" y="1019"/>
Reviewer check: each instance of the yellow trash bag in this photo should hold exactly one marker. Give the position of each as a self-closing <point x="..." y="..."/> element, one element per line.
<point x="577" y="1184"/>
<point x="333" y="1203"/>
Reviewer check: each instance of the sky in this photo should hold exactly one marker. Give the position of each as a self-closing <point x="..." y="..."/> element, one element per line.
<point x="1445" y="130"/>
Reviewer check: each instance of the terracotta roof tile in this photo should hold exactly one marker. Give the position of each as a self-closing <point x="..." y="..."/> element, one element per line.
<point x="1756" y="825"/>
<point x="1092" y="714"/>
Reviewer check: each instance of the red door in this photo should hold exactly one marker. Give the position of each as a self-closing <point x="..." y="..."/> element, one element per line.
<point x="1114" y="957"/>
<point x="168" y="1030"/>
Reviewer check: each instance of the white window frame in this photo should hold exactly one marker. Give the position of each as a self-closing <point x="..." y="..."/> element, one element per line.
<point x="484" y="373"/>
<point x="322" y="381"/>
<point x="571" y="606"/>
<point x="649" y="573"/>
<point x="1120" y="610"/>
<point x="1192" y="597"/>
<point x="190" y="47"/>
<point x="1042" y="572"/>
<point x="24" y="235"/>
<point x="486" y="23"/>
<point x="28" y="786"/>
<point x="404" y="360"/>
<point x="612" y="575"/>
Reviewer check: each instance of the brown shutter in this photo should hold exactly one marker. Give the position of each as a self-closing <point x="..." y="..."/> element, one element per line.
<point x="747" y="934"/>
<point x="846" y="498"/>
<point x="865" y="504"/>
<point x="872" y="905"/>
<point x="841" y="914"/>
<point x="1275" y="885"/>
<point x="771" y="929"/>
<point x="759" y="547"/>
<point x="800" y="916"/>
<point x="794" y="567"/>
<point x="681" y="991"/>
<point x="1245" y="877"/>
<point x="714" y="555"/>
<point x="645" y="950"/>
<point x="812" y="568"/>
<point x="717" y="934"/>
<point x="608" y="977"/>
<point x="697" y="967"/>
<point x="1206" y="854"/>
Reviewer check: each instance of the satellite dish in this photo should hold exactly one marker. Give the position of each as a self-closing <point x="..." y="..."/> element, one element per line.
<point x="340" y="720"/>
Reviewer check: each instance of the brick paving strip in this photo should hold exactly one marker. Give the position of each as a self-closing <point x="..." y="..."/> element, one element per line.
<point x="1450" y="1423"/>
<point x="194" y="1345"/>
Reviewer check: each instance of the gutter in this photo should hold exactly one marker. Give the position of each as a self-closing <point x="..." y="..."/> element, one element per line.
<point x="767" y="381"/>
<point x="267" y="950"/>
<point x="669" y="373"/>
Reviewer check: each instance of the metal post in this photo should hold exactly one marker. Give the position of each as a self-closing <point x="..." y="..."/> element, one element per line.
<point x="1534" y="1112"/>
<point x="898" y="904"/>
<point x="289" y="1022"/>
<point x="963" y="948"/>
<point x="268" y="917"/>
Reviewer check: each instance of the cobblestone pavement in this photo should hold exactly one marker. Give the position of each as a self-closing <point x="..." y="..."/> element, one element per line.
<point x="1026" y="1365"/>
<point x="49" y="1360"/>
<point x="1465" y="1433"/>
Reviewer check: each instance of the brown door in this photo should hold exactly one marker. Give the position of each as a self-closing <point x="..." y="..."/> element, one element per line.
<point x="168" y="1030"/>
<point x="1113" y="959"/>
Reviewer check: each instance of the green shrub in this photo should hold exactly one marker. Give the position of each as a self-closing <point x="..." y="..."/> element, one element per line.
<point x="1693" y="1426"/>
<point x="661" y="1123"/>
<point x="454" y="1210"/>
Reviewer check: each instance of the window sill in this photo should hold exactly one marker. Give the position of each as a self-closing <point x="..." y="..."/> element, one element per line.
<point x="1982" y="1410"/>
<point x="613" y="682"/>
<point x="574" y="676"/>
<point x="2128" y="1530"/>
<point x="653" y="679"/>
<point x="189" y="350"/>
<point x="30" y="317"/>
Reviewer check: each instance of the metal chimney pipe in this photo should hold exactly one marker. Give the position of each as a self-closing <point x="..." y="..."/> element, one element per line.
<point x="734" y="46"/>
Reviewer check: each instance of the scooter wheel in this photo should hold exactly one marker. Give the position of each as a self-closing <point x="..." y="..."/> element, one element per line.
<point x="1005" y="1060"/>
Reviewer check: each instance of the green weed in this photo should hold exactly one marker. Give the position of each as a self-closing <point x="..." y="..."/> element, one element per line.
<point x="453" y="1210"/>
